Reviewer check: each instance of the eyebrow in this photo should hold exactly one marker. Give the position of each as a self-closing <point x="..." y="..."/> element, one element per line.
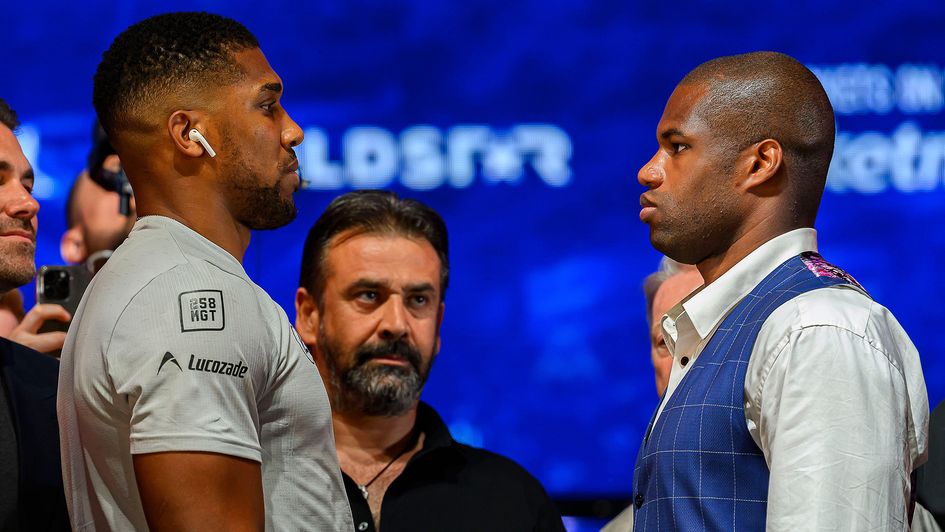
<point x="5" y="166"/>
<point x="672" y="132"/>
<point x="275" y="87"/>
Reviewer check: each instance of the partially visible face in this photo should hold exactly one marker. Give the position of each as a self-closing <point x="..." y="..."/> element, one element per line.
<point x="690" y="204"/>
<point x="103" y="227"/>
<point x="669" y="294"/>
<point x="378" y="330"/>
<point x="257" y="137"/>
<point x="18" y="211"/>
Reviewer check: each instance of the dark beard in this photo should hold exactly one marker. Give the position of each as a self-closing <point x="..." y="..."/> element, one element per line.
<point x="375" y="389"/>
<point x="261" y="208"/>
<point x="254" y="205"/>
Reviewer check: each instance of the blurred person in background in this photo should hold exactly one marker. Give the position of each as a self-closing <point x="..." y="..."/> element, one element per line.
<point x="663" y="289"/>
<point x="95" y="227"/>
<point x="369" y="305"/>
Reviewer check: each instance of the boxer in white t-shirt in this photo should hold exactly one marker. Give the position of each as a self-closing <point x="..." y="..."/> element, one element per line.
<point x="186" y="400"/>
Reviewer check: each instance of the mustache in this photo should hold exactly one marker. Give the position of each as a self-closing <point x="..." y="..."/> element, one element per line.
<point x="293" y="159"/>
<point x="17" y="224"/>
<point x="393" y="349"/>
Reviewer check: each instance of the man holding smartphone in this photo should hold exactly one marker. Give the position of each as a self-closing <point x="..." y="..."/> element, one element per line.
<point x="30" y="484"/>
<point x="187" y="401"/>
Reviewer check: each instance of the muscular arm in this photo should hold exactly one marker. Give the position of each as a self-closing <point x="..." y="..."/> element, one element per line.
<point x="185" y="491"/>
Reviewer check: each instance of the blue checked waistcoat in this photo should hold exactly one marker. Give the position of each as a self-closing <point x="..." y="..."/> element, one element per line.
<point x="698" y="467"/>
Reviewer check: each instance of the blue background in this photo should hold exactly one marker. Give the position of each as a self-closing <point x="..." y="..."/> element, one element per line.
<point x="545" y="350"/>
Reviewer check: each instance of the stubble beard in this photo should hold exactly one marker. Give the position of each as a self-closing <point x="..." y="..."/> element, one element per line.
<point x="17" y="266"/>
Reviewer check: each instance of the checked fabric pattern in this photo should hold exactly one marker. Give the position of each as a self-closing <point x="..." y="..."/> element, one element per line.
<point x="698" y="467"/>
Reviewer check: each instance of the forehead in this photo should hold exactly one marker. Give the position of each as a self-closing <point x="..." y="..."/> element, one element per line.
<point x="11" y="153"/>
<point x="682" y="109"/>
<point x="257" y="73"/>
<point x="381" y="256"/>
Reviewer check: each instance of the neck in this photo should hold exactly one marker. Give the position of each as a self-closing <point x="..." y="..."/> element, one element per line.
<point x="750" y="237"/>
<point x="364" y="439"/>
<point x="200" y="209"/>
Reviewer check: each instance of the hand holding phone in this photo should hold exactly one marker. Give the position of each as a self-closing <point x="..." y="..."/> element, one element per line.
<point x="28" y="331"/>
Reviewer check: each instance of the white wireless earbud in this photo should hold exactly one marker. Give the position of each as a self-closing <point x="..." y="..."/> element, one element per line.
<point x="197" y="137"/>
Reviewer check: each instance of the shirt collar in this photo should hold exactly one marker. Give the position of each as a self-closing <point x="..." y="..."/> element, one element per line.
<point x="192" y="243"/>
<point x="695" y="317"/>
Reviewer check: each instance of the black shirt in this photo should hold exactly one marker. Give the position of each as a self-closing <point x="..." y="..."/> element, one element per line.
<point x="455" y="487"/>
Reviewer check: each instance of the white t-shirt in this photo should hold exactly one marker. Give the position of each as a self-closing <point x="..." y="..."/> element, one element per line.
<point x="174" y="348"/>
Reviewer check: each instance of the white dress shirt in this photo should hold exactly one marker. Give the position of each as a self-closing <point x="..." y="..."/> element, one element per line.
<point x="834" y="395"/>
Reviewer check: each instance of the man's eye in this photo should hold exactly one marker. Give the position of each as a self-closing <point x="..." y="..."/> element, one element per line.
<point x="368" y="296"/>
<point x="420" y="300"/>
<point x="268" y="106"/>
<point x="678" y="147"/>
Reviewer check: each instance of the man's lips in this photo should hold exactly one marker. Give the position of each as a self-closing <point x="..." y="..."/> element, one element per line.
<point x="395" y="360"/>
<point x="19" y="234"/>
<point x="648" y="208"/>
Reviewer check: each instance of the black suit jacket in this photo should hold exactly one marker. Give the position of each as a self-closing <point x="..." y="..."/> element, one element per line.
<point x="931" y="476"/>
<point x="29" y="380"/>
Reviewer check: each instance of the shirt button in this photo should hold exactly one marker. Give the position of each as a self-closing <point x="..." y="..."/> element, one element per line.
<point x="638" y="501"/>
<point x="683" y="361"/>
<point x="362" y="526"/>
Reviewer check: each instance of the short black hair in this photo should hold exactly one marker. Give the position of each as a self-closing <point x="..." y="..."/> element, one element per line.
<point x="770" y="95"/>
<point x="161" y="55"/>
<point x="371" y="211"/>
<point x="8" y="115"/>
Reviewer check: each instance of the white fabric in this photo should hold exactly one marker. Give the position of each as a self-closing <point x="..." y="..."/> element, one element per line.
<point x="834" y="395"/>
<point x="167" y="303"/>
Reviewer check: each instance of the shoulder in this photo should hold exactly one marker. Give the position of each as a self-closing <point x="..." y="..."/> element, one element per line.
<point x="840" y="311"/>
<point x="497" y="468"/>
<point x="24" y="365"/>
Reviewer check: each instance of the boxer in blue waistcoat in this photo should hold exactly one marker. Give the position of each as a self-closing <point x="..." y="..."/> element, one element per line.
<point x="795" y="401"/>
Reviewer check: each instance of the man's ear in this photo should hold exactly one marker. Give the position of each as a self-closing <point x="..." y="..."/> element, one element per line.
<point x="72" y="246"/>
<point x="760" y="162"/>
<point x="179" y="125"/>
<point x="439" y="322"/>
<point x="306" y="316"/>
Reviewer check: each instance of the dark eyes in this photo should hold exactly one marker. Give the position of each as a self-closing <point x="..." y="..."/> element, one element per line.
<point x="269" y="106"/>
<point x="372" y="296"/>
<point x="368" y="296"/>
<point x="678" y="147"/>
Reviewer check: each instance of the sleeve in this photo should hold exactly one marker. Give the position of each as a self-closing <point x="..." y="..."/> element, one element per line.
<point x="833" y="427"/>
<point x="185" y="361"/>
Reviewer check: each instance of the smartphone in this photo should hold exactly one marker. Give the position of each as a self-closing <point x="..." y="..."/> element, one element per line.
<point x="61" y="285"/>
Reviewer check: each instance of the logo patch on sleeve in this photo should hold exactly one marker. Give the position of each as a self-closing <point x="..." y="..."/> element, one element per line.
<point x="202" y="310"/>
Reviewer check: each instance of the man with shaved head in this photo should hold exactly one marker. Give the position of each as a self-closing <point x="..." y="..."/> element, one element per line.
<point x="186" y="399"/>
<point x="795" y="401"/>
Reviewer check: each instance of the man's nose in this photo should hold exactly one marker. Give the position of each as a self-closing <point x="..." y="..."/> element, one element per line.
<point x="393" y="320"/>
<point x="651" y="175"/>
<point x="20" y="203"/>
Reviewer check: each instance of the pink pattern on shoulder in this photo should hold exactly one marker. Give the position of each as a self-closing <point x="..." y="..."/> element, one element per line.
<point x="821" y="268"/>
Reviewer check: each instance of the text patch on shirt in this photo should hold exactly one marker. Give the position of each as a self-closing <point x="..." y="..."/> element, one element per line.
<point x="201" y="310"/>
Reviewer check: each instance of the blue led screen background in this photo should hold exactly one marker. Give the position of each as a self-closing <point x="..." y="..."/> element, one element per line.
<point x="524" y="124"/>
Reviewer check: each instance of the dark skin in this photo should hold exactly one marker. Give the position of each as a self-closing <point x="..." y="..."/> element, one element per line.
<point x="706" y="204"/>
<point x="174" y="177"/>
